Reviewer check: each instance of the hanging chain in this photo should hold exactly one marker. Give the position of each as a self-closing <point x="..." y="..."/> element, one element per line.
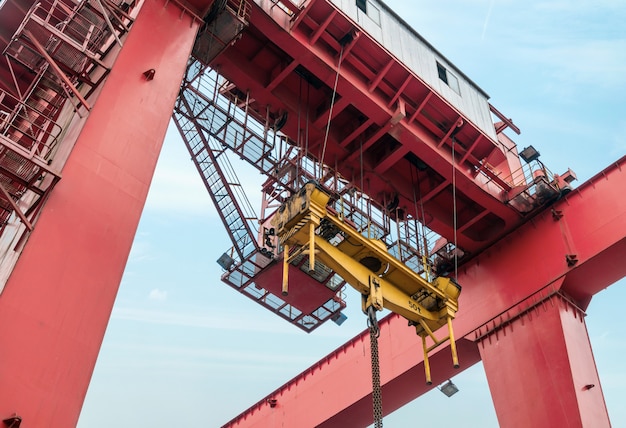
<point x="377" y="398"/>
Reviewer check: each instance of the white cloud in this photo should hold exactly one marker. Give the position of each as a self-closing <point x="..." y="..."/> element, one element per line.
<point x="207" y="352"/>
<point x="486" y="23"/>
<point x="157" y="294"/>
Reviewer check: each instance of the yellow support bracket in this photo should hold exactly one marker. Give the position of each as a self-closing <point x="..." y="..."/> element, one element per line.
<point x="365" y="264"/>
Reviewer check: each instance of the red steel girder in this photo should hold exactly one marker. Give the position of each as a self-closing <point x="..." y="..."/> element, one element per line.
<point x="540" y="277"/>
<point x="385" y="101"/>
<point x="57" y="302"/>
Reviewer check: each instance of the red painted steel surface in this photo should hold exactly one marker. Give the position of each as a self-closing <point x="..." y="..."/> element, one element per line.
<point x="541" y="370"/>
<point x="307" y="299"/>
<point x="55" y="307"/>
<point x="380" y="116"/>
<point x="513" y="276"/>
<point x="336" y="391"/>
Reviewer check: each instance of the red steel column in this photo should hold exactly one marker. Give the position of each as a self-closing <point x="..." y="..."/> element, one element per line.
<point x="541" y="370"/>
<point x="56" y="305"/>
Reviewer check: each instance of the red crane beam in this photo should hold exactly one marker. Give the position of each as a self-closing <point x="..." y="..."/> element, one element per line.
<point x="55" y="307"/>
<point x="273" y="43"/>
<point x="521" y="312"/>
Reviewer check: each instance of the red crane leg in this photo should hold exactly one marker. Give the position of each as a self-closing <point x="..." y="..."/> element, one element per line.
<point x="56" y="305"/>
<point x="541" y="370"/>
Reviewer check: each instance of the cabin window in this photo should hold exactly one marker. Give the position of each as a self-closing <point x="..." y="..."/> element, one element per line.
<point x="370" y="10"/>
<point x="448" y="78"/>
<point x="374" y="13"/>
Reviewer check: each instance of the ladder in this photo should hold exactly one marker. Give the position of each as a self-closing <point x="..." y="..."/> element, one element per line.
<point x="218" y="175"/>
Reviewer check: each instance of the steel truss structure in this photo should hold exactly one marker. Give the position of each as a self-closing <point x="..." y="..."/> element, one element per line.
<point x="301" y="92"/>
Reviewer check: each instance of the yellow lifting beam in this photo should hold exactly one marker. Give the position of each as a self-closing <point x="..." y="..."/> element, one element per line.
<point x="305" y="226"/>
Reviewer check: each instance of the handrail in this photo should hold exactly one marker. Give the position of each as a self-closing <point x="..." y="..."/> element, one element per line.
<point x="28" y="127"/>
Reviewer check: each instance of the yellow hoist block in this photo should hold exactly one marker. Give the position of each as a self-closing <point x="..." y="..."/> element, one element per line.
<point x="306" y="227"/>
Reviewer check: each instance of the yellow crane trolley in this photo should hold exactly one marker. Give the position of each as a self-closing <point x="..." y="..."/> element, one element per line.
<point x="305" y="226"/>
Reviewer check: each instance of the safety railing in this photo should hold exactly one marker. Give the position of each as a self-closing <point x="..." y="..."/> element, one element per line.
<point x="527" y="188"/>
<point x="240" y="8"/>
<point x="70" y="38"/>
<point x="70" y="32"/>
<point x="27" y="127"/>
<point x="222" y="25"/>
<point x="291" y="8"/>
<point x="243" y="276"/>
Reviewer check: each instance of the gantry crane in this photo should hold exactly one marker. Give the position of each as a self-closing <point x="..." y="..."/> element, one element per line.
<point x="283" y="128"/>
<point x="409" y="158"/>
<point x="375" y="154"/>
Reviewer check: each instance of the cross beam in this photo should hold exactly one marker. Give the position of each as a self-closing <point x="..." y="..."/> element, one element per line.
<point x="530" y="288"/>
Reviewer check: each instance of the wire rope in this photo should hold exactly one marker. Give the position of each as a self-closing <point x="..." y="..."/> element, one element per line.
<point x="306" y="130"/>
<point x="330" y="113"/>
<point x="421" y="222"/>
<point x="454" y="216"/>
<point x="298" y="139"/>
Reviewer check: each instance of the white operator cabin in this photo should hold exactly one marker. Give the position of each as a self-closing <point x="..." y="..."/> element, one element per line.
<point x="392" y="32"/>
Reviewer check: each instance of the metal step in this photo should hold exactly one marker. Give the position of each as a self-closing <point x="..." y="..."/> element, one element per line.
<point x="220" y="180"/>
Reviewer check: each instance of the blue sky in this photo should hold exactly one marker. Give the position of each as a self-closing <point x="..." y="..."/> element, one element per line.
<point x="184" y="349"/>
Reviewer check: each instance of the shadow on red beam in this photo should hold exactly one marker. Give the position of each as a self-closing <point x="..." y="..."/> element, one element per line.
<point x="336" y="391"/>
<point x="407" y="386"/>
<point x="595" y="230"/>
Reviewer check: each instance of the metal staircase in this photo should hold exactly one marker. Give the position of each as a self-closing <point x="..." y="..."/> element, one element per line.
<point x="218" y="176"/>
<point x="57" y="56"/>
<point x="213" y="122"/>
<point x="29" y="134"/>
<point x="71" y="39"/>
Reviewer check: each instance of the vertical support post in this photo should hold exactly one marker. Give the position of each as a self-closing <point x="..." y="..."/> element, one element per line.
<point x="455" y="356"/>
<point x="429" y="379"/>
<point x="285" y="269"/>
<point x="311" y="246"/>
<point x="56" y="305"/>
<point x="541" y="370"/>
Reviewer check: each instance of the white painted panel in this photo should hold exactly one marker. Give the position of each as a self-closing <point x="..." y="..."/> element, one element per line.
<point x="421" y="58"/>
<point x="370" y="22"/>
